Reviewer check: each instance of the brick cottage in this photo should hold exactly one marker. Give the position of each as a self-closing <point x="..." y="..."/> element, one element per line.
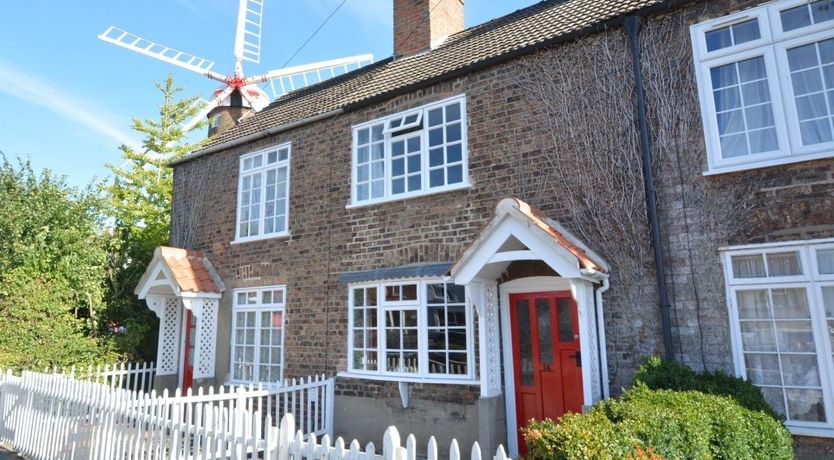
<point x="497" y="223"/>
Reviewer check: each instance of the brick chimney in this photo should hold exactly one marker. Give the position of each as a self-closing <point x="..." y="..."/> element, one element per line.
<point x="422" y="25"/>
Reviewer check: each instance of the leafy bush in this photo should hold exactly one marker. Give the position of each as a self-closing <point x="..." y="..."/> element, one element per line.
<point x="672" y="375"/>
<point x="652" y="424"/>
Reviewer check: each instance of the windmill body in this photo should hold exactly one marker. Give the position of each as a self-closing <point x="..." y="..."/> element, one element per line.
<point x="239" y="93"/>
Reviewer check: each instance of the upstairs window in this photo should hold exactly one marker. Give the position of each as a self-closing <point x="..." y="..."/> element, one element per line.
<point x="412" y="153"/>
<point x="766" y="83"/>
<point x="263" y="194"/>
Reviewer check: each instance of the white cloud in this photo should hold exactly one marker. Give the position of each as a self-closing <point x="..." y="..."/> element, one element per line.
<point x="30" y="88"/>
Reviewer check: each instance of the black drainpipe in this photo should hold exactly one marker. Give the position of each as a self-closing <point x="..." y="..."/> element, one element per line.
<point x="632" y="27"/>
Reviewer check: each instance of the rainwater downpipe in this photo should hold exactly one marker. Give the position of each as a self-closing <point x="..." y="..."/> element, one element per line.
<point x="632" y="27"/>
<point x="601" y="347"/>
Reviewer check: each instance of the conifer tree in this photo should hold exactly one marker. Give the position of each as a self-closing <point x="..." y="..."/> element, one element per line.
<point x="139" y="204"/>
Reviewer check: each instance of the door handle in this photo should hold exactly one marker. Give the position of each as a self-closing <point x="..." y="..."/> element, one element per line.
<point x="578" y="357"/>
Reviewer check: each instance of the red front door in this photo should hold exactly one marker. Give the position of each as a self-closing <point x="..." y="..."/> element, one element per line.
<point x="548" y="364"/>
<point x="188" y="352"/>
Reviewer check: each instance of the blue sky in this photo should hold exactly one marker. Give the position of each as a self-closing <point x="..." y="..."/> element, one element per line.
<point x="67" y="99"/>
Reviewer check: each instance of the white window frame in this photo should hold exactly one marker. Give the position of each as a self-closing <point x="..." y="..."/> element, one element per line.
<point x="812" y="282"/>
<point x="263" y="170"/>
<point x="772" y="44"/>
<point x="470" y="378"/>
<point x="391" y="135"/>
<point x="257" y="309"/>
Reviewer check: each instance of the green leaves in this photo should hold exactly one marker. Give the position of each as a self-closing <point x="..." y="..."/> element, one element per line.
<point x="51" y="265"/>
<point x="138" y="203"/>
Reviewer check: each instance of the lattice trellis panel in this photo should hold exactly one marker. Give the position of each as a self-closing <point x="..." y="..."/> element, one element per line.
<point x="169" y="337"/>
<point x="493" y="344"/>
<point x="206" y="340"/>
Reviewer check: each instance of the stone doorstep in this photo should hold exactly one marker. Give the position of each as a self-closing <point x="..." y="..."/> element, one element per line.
<point x="7" y="454"/>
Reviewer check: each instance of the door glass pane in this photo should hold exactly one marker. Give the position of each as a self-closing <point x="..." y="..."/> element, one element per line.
<point x="525" y="343"/>
<point x="565" y="320"/>
<point x="545" y="331"/>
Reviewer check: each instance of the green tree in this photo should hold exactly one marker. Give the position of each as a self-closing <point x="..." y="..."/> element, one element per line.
<point x="139" y="205"/>
<point x="52" y="262"/>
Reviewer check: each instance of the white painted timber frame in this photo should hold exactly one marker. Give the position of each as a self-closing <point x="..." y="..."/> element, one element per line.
<point x="511" y="236"/>
<point x="812" y="282"/>
<point x="262" y="170"/>
<point x="164" y="297"/>
<point x="423" y="376"/>
<point x="389" y="135"/>
<point x="772" y="45"/>
<point x="257" y="309"/>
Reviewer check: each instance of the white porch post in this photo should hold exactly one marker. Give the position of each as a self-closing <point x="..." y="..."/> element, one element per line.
<point x="484" y="299"/>
<point x="583" y="294"/>
<point x="167" y="308"/>
<point x="204" y="311"/>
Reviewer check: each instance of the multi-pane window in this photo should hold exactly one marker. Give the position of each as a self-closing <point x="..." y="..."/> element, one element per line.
<point x="424" y="330"/>
<point x="782" y="306"/>
<point x="258" y="335"/>
<point x="411" y="153"/>
<point x="263" y="193"/>
<point x="766" y="79"/>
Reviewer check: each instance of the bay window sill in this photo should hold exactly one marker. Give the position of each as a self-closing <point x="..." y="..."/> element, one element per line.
<point x="439" y="380"/>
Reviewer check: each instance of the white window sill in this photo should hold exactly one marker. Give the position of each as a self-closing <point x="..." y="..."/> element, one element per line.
<point x="804" y="430"/>
<point x="768" y="163"/>
<point x="271" y="236"/>
<point x="403" y="197"/>
<point x="415" y="379"/>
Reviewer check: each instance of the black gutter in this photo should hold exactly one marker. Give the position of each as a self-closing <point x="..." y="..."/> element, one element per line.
<point x="632" y="27"/>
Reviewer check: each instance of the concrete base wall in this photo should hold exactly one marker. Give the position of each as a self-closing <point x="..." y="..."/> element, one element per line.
<point x="366" y="419"/>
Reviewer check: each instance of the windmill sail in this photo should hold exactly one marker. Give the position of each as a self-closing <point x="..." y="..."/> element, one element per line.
<point x="249" y="24"/>
<point x="282" y="81"/>
<point x="125" y="39"/>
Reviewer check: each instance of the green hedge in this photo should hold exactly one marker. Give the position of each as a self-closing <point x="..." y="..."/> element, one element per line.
<point x="653" y="424"/>
<point x="672" y="375"/>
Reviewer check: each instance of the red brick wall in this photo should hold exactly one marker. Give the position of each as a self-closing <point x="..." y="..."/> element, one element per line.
<point x="419" y="25"/>
<point x="327" y="238"/>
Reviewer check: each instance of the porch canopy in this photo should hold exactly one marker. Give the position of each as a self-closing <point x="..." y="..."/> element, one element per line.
<point x="178" y="281"/>
<point x="520" y="232"/>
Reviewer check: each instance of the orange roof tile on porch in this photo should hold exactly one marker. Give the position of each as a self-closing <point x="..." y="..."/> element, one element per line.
<point x="189" y="269"/>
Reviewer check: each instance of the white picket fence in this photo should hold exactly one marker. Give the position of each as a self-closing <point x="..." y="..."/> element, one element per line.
<point x="53" y="416"/>
<point x="135" y="376"/>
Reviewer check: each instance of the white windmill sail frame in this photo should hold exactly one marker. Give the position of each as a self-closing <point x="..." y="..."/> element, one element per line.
<point x="247" y="48"/>
<point x="282" y="81"/>
<point x="133" y="42"/>
<point x="248" y="32"/>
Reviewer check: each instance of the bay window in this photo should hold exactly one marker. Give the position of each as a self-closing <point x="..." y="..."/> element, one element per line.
<point x="263" y="194"/>
<point x="781" y="299"/>
<point x="416" y="152"/>
<point x="766" y="84"/>
<point x="258" y="335"/>
<point x="411" y="330"/>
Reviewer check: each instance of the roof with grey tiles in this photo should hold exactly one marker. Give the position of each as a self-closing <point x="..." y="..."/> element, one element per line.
<point x="525" y="30"/>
